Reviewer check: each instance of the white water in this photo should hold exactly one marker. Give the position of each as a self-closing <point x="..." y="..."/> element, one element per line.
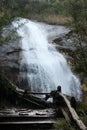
<point x="41" y="64"/>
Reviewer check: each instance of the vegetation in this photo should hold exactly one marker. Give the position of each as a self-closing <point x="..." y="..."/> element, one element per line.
<point x="61" y="124"/>
<point x="78" y="11"/>
<point x="82" y="111"/>
<point x="29" y="9"/>
<point x="44" y="10"/>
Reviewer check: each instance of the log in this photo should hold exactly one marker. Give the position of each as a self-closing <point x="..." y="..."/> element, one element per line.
<point x="22" y="96"/>
<point x="73" y="114"/>
<point x="29" y="100"/>
<point x="65" y="115"/>
<point x="37" y="93"/>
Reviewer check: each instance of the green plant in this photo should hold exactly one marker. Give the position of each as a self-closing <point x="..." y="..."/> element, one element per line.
<point x="84" y="119"/>
<point x="61" y="125"/>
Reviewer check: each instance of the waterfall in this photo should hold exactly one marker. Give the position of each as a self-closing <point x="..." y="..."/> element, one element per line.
<point x="41" y="65"/>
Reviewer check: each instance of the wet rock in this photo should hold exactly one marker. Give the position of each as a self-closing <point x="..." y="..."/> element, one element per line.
<point x="31" y="68"/>
<point x="58" y="40"/>
<point x="10" y="61"/>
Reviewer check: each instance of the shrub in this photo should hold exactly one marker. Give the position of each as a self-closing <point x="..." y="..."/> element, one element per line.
<point x="61" y="125"/>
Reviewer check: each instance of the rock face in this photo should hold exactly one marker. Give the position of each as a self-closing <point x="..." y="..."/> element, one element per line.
<point x="9" y="55"/>
<point x="10" y="60"/>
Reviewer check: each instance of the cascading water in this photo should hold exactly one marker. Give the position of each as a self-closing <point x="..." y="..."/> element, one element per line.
<point x="42" y="66"/>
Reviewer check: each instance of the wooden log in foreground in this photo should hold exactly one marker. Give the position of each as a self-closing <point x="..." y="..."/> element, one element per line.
<point x="73" y="113"/>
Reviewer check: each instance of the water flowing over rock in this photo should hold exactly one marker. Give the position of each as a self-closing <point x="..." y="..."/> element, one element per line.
<point x="42" y="66"/>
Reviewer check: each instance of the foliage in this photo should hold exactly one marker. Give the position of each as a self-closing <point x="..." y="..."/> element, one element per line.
<point x="82" y="109"/>
<point x="74" y="8"/>
<point x="82" y="106"/>
<point x="77" y="9"/>
<point x="61" y="124"/>
<point x="80" y="58"/>
<point x="84" y="119"/>
<point x="28" y="8"/>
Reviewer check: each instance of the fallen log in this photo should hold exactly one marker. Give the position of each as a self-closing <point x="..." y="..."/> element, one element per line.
<point x="65" y="115"/>
<point x="20" y="94"/>
<point x="73" y="114"/>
